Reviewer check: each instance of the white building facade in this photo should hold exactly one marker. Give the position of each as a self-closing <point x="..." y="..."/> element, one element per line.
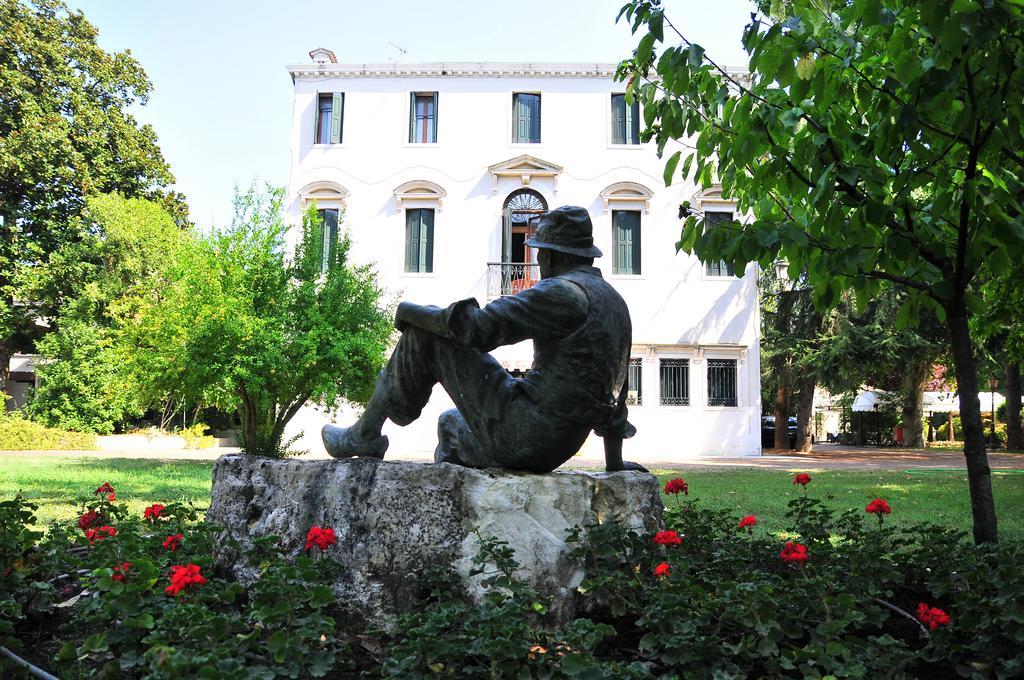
<point x="439" y="172"/>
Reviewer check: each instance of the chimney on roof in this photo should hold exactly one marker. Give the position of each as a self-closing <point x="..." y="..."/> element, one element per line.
<point x="322" y="55"/>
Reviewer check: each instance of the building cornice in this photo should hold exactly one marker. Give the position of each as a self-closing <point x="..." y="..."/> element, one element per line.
<point x="462" y="69"/>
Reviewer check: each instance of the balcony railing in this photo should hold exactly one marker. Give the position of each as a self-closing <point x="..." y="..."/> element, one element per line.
<point x="508" y="278"/>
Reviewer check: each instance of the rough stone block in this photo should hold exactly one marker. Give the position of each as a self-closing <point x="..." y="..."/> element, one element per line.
<point x="395" y="519"/>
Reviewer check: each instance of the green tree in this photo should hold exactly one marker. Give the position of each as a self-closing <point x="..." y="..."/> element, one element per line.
<point x="242" y="327"/>
<point x="65" y="133"/>
<point x="871" y="141"/>
<point x="1002" y="325"/>
<point x="99" y="281"/>
<point x="868" y="347"/>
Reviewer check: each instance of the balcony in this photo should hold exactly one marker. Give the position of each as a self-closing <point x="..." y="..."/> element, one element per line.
<point x="508" y="278"/>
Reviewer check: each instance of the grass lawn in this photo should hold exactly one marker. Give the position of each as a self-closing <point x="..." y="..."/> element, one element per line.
<point x="55" y="482"/>
<point x="935" y="496"/>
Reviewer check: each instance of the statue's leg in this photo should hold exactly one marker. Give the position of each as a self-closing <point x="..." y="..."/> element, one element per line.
<point x="457" y="444"/>
<point x="401" y="392"/>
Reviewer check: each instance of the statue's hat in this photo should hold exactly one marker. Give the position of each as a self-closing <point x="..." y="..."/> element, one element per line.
<point x="568" y="230"/>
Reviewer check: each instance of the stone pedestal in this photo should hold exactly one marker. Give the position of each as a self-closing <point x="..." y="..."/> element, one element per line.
<point x="395" y="519"/>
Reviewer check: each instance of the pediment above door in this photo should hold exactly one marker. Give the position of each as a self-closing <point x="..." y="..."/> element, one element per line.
<point x="525" y="168"/>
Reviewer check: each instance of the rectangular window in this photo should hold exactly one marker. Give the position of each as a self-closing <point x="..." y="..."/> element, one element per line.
<point x="525" y="118"/>
<point x="419" y="240"/>
<point x="423" y="118"/>
<point x="327" y="245"/>
<point x="625" y="120"/>
<point x="330" y="112"/>
<point x="721" y="267"/>
<point x="626" y="227"/>
<point x="674" y="375"/>
<point x="634" y="380"/>
<point x="722" y="382"/>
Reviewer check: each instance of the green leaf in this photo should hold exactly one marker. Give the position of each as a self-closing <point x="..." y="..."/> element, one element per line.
<point x="277" y="644"/>
<point x="670" y="167"/>
<point x="645" y="49"/>
<point x="805" y="67"/>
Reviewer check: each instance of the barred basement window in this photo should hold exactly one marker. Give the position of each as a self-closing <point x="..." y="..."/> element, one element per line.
<point x="674" y="375"/>
<point x="722" y="382"/>
<point x="634" y="388"/>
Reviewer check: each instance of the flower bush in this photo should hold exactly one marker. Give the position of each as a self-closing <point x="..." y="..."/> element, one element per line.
<point x="824" y="593"/>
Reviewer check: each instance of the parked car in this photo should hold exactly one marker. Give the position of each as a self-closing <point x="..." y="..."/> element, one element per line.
<point x="768" y="432"/>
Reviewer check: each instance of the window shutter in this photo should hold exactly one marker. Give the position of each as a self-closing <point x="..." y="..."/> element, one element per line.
<point x="635" y="243"/>
<point x="535" y="118"/>
<point x="618" y="119"/>
<point x="522" y="120"/>
<point x="412" y="240"/>
<point x="426" y="240"/>
<point x="506" y="235"/>
<point x="627" y="241"/>
<point x="316" y="118"/>
<point x="412" y="117"/>
<point x="621" y="242"/>
<point x="337" y="113"/>
<point x="433" y="122"/>
<point x="631" y="124"/>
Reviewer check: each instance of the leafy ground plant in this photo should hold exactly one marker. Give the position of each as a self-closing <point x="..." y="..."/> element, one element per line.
<point x="827" y="592"/>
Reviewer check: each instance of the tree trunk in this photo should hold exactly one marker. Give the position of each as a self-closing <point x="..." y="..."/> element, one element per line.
<point x="1014" y="432"/>
<point x="979" y="476"/>
<point x="913" y="404"/>
<point x="782" y="417"/>
<point x="804" y="411"/>
<point x="952" y="432"/>
<point x="249" y="417"/>
<point x="783" y="363"/>
<point x="6" y="352"/>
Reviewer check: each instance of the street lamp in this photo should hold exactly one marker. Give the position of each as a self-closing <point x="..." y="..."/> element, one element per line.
<point x="782" y="274"/>
<point x="993" y="383"/>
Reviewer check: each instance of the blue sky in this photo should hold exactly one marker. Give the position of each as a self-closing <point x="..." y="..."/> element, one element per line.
<point x="222" y="99"/>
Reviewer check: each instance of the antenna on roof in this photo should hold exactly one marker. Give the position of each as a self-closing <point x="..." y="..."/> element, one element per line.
<point x="397" y="47"/>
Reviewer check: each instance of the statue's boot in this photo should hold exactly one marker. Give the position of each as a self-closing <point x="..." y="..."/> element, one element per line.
<point x="345" y="442"/>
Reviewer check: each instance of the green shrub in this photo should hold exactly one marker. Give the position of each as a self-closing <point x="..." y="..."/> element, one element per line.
<point x="196" y="438"/>
<point x="18" y="433"/>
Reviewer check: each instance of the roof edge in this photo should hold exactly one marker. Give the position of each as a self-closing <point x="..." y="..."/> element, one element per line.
<point x="454" y="70"/>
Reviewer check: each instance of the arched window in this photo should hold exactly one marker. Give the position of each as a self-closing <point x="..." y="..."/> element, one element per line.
<point x="523" y="209"/>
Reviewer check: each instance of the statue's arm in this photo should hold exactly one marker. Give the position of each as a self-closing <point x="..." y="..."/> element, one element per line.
<point x="426" y="317"/>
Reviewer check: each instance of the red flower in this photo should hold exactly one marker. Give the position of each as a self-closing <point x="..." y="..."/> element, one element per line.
<point x="803" y="479"/>
<point x="748" y="521"/>
<point x="183" y="576"/>
<point x="88" y="519"/>
<point x="677" y="485"/>
<point x="933" y="617"/>
<point x="100" y="533"/>
<point x="153" y="512"/>
<point x="121" y="572"/>
<point x="321" y="538"/>
<point x="662" y="570"/>
<point x="172" y="542"/>
<point x="111" y="496"/>
<point x="878" y="507"/>
<point x="106" y="488"/>
<point x="667" y="538"/>
<point x="794" y="552"/>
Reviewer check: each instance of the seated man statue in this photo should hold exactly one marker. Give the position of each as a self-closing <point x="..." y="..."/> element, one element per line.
<point x="581" y="335"/>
